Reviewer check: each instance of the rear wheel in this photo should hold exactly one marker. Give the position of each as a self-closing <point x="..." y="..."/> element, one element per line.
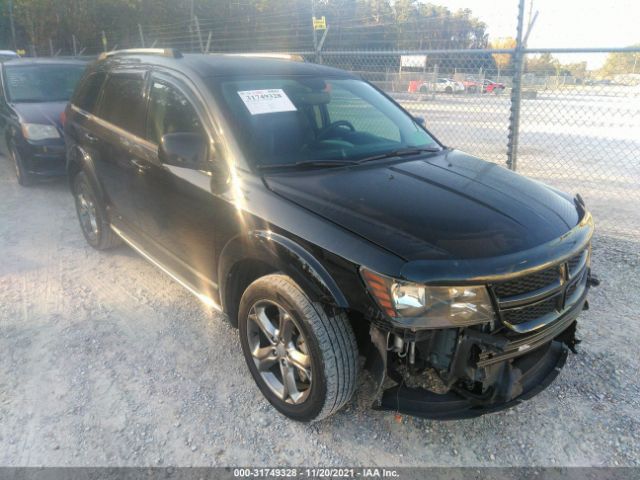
<point x="303" y="358"/>
<point x="22" y="174"/>
<point x="448" y="90"/>
<point x="92" y="216"/>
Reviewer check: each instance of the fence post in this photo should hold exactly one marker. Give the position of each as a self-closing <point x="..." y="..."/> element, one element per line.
<point x="320" y="45"/>
<point x="206" y="49"/>
<point x="516" y="93"/>
<point x="75" y="45"/>
<point x="104" y="41"/>
<point x="141" y="35"/>
<point x="50" y="47"/>
<point x="195" y="19"/>
<point x="313" y="30"/>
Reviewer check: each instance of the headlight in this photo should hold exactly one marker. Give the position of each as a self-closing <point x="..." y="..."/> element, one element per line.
<point x="423" y="306"/>
<point x="37" y="131"/>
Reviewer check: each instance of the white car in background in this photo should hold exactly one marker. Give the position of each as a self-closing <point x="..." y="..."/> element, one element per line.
<point x="441" y="85"/>
<point x="8" y="55"/>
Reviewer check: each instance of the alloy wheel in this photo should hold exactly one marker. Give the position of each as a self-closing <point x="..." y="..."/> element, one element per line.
<point x="280" y="351"/>
<point x="87" y="212"/>
<point x="16" y="166"/>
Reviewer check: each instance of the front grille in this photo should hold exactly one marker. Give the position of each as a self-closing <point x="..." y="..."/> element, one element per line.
<point x="576" y="285"/>
<point x="572" y="289"/>
<point x="529" y="313"/>
<point x="575" y="261"/>
<point x="530" y="301"/>
<point x="529" y="283"/>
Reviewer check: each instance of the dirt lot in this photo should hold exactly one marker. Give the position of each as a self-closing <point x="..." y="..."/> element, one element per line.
<point x="106" y="361"/>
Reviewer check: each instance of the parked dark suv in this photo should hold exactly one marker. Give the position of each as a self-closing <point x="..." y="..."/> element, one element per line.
<point x="329" y="225"/>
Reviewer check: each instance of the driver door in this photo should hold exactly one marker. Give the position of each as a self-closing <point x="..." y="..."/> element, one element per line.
<point x="178" y="211"/>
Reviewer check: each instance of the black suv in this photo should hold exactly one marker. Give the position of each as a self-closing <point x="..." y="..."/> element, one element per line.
<point x="329" y="225"/>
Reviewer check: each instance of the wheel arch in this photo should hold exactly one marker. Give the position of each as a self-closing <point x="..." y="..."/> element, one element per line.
<point x="245" y="258"/>
<point x="78" y="160"/>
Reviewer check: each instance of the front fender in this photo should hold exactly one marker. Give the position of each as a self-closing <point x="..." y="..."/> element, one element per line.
<point x="281" y="254"/>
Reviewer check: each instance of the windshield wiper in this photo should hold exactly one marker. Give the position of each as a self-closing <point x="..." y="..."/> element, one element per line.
<point x="403" y="152"/>
<point x="308" y="164"/>
<point x="339" y="163"/>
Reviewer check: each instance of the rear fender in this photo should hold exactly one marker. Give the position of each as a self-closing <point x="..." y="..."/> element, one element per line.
<point x="78" y="160"/>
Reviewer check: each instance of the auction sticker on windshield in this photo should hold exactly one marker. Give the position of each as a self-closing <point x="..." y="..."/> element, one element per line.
<point x="266" y="101"/>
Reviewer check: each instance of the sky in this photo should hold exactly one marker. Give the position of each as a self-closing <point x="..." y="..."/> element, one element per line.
<point x="563" y="23"/>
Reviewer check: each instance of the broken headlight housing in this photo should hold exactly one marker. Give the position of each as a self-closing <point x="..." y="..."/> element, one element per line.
<point x="423" y="306"/>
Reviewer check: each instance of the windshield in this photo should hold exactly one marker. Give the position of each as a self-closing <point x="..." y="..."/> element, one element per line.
<point x="287" y="120"/>
<point x="41" y="83"/>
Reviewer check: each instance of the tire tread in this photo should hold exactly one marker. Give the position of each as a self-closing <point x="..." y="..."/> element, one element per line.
<point x="336" y="340"/>
<point x="107" y="238"/>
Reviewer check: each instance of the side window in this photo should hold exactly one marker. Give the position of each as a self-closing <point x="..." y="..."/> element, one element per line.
<point x="364" y="117"/>
<point x="123" y="103"/>
<point x="170" y="112"/>
<point x="86" y="95"/>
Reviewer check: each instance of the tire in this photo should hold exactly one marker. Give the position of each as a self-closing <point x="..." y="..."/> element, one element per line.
<point x="324" y="338"/>
<point x="448" y="90"/>
<point x="424" y="89"/>
<point x="92" y="215"/>
<point x="22" y="175"/>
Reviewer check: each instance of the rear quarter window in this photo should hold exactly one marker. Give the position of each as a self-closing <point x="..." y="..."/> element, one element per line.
<point x="122" y="102"/>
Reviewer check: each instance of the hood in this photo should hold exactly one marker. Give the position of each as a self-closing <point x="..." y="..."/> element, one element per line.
<point x="449" y="206"/>
<point x="44" y="113"/>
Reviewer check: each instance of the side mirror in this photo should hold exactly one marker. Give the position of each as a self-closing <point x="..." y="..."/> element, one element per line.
<point x="420" y="121"/>
<point x="187" y="150"/>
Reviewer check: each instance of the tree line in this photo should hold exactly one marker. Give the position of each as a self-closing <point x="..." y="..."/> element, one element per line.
<point x="48" y="26"/>
<point x="358" y="24"/>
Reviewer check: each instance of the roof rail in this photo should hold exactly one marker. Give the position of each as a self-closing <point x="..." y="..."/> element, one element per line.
<point x="294" y="57"/>
<point x="165" y="52"/>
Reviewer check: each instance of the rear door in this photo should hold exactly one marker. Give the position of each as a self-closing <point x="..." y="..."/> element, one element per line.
<point x="118" y="131"/>
<point x="79" y="127"/>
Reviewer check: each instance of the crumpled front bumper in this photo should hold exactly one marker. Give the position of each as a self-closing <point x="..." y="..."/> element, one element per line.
<point x="523" y="366"/>
<point x="530" y="374"/>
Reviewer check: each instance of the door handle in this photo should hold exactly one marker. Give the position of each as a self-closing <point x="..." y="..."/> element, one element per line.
<point x="140" y="165"/>
<point x="91" y="137"/>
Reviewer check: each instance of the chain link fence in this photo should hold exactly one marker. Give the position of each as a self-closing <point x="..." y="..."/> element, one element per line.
<point x="571" y="130"/>
<point x="578" y="135"/>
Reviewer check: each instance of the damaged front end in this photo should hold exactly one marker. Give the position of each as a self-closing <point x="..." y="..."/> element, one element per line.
<point x="463" y="372"/>
<point x="445" y="377"/>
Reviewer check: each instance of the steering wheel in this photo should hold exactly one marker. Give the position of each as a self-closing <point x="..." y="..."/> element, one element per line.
<point x="329" y="129"/>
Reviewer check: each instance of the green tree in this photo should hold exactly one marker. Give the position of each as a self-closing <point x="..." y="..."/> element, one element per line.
<point x="621" y="62"/>
<point x="544" y="64"/>
<point x="578" y="70"/>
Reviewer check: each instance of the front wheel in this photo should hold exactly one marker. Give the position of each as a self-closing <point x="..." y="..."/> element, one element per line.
<point x="22" y="174"/>
<point x="303" y="358"/>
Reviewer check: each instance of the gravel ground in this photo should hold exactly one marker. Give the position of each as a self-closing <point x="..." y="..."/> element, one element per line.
<point x="106" y="361"/>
